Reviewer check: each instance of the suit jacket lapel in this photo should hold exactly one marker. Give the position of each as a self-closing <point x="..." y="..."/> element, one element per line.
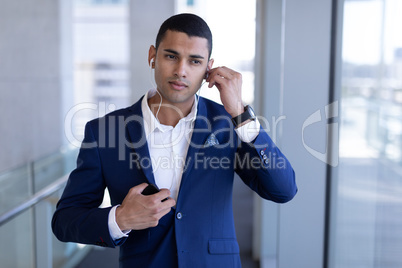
<point x="201" y="132"/>
<point x="138" y="143"/>
<point x="137" y="140"/>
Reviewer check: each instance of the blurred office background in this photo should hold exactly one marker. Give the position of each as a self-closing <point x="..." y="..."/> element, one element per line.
<point x="325" y="76"/>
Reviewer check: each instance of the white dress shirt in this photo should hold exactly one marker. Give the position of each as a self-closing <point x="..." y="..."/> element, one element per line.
<point x="168" y="148"/>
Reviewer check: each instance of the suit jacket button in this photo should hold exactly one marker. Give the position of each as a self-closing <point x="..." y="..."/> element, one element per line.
<point x="179" y="215"/>
<point x="262" y="152"/>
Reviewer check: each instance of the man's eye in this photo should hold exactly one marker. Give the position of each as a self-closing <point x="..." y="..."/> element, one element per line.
<point x="171" y="56"/>
<point x="196" y="62"/>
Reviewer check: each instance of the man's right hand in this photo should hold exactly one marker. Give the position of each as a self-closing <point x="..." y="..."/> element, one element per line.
<point x="139" y="212"/>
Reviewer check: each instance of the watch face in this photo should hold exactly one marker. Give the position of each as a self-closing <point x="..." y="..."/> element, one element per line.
<point x="251" y="111"/>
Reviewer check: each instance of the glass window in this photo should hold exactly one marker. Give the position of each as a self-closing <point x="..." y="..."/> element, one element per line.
<point x="233" y="46"/>
<point x="101" y="59"/>
<point x="368" y="217"/>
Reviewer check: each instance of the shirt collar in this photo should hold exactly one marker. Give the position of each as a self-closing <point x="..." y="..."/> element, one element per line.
<point x="150" y="121"/>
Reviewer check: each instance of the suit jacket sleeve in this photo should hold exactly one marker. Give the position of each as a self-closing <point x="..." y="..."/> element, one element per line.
<point x="265" y="169"/>
<point x="78" y="217"/>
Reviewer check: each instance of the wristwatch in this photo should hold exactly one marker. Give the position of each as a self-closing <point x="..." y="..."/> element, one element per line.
<point x="248" y="114"/>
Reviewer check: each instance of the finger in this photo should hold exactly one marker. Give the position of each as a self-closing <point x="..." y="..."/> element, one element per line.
<point x="139" y="188"/>
<point x="163" y="213"/>
<point x="215" y="79"/>
<point x="170" y="202"/>
<point x="212" y="73"/>
<point x="133" y="193"/>
<point x="160" y="200"/>
<point x="163" y="194"/>
<point x="164" y="191"/>
<point x="224" y="72"/>
<point x="221" y="76"/>
<point x="227" y="72"/>
<point x="218" y="81"/>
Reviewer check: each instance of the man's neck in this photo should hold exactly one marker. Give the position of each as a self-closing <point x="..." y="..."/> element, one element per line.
<point x="168" y="114"/>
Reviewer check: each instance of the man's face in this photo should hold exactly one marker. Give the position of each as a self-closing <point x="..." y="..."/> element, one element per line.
<point x="180" y="65"/>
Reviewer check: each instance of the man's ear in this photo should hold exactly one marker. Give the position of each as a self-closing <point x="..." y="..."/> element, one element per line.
<point x="210" y="63"/>
<point x="151" y="55"/>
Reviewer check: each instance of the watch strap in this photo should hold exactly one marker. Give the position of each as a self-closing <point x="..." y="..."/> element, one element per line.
<point x="247" y="114"/>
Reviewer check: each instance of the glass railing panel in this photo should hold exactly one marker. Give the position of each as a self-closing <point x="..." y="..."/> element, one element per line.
<point x="17" y="242"/>
<point x="14" y="188"/>
<point x="65" y="254"/>
<point x="18" y="247"/>
<point x="47" y="170"/>
<point x="70" y="158"/>
<point x="51" y="168"/>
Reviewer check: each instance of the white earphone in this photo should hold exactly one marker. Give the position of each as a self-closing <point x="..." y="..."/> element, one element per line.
<point x="152" y="66"/>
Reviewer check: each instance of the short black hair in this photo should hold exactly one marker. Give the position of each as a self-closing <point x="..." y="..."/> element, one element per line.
<point x="187" y="23"/>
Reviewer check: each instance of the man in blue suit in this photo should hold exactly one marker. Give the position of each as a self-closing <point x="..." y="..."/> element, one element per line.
<point x="189" y="147"/>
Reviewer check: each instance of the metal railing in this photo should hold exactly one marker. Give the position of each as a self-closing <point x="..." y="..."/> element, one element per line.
<point x="28" y="196"/>
<point x="35" y="199"/>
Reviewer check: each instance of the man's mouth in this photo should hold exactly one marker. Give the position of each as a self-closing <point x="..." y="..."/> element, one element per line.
<point x="178" y="85"/>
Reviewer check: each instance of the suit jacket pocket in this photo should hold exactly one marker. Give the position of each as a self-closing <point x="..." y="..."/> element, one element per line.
<point x="217" y="152"/>
<point x="223" y="246"/>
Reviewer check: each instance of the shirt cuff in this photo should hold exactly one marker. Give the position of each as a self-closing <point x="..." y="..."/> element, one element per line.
<point x="114" y="229"/>
<point x="248" y="132"/>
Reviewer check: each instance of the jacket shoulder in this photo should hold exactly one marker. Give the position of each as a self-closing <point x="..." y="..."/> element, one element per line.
<point x="214" y="108"/>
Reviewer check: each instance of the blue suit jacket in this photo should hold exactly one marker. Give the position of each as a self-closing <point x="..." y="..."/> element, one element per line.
<point x="200" y="231"/>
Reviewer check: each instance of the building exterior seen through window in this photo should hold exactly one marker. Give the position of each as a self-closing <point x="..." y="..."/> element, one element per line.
<point x="369" y="194"/>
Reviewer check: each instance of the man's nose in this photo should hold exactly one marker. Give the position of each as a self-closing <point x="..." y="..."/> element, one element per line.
<point x="181" y="69"/>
